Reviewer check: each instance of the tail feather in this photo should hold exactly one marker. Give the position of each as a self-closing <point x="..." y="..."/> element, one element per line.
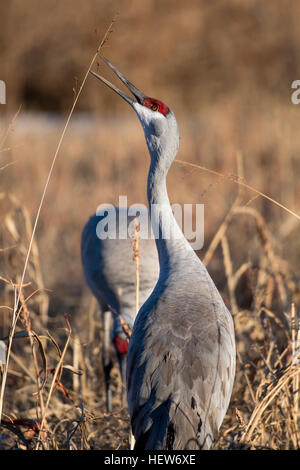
<point x="160" y="434"/>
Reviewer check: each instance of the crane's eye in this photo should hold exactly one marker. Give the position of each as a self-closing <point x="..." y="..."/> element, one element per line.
<point x="155" y="105"/>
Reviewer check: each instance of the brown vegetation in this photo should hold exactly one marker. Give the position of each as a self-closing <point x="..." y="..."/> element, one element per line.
<point x="226" y="70"/>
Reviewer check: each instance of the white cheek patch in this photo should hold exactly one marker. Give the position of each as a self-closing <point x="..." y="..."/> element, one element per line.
<point x="145" y="114"/>
<point x="153" y="122"/>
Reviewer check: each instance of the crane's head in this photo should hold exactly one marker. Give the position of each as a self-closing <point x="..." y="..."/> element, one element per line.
<point x="158" y="121"/>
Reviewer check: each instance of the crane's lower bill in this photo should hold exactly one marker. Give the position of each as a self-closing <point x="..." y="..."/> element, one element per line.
<point x="139" y="96"/>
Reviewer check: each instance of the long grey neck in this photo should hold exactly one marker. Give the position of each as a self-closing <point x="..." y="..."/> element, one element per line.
<point x="173" y="248"/>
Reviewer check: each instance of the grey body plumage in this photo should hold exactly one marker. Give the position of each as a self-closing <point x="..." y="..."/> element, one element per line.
<point x="181" y="357"/>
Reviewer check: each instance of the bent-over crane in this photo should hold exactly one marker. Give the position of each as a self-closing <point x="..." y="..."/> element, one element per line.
<point x="110" y="273"/>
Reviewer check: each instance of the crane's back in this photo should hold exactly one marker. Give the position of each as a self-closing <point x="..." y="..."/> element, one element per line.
<point x="110" y="271"/>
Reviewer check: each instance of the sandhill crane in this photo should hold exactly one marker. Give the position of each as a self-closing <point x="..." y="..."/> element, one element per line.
<point x="110" y="273"/>
<point x="181" y="356"/>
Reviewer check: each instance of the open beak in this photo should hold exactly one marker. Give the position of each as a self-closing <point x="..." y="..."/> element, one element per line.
<point x="135" y="91"/>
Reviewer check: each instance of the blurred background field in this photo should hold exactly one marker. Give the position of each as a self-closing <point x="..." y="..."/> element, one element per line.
<point x="225" y="69"/>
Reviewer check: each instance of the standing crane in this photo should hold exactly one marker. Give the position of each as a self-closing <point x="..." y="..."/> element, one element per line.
<point x="181" y="356"/>
<point x="110" y="273"/>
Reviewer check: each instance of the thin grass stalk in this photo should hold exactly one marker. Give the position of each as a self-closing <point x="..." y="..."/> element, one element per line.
<point x="84" y="388"/>
<point x="229" y="274"/>
<point x="235" y="179"/>
<point x="224" y="226"/>
<point x="136" y="259"/>
<point x="53" y="383"/>
<point x="6" y="133"/>
<point x="27" y="324"/>
<point x="220" y="233"/>
<point x="76" y="345"/>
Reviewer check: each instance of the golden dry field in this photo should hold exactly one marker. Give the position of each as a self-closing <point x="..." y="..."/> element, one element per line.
<point x="225" y="69"/>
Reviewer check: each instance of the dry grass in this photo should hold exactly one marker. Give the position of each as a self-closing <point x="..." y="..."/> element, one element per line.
<point x="235" y="119"/>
